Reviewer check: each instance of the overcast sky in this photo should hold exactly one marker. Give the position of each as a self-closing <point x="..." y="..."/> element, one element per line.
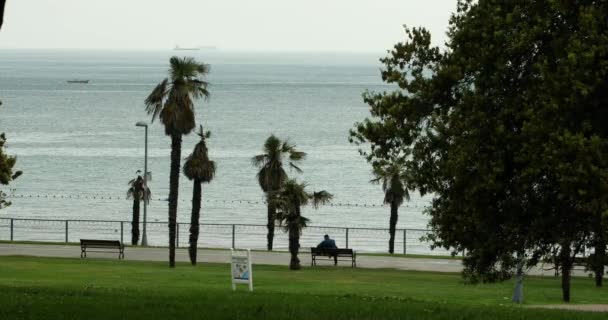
<point x="299" y="25"/>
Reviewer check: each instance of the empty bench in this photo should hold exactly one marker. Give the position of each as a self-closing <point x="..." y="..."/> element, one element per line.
<point x="101" y="246"/>
<point x="336" y="254"/>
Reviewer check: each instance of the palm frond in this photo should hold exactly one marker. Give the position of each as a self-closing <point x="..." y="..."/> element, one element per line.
<point x="321" y="198"/>
<point x="186" y="68"/>
<point x="296" y="168"/>
<point x="295" y="155"/>
<point x="259" y="160"/>
<point x="138" y="190"/>
<point x="197" y="165"/>
<point x="154" y="101"/>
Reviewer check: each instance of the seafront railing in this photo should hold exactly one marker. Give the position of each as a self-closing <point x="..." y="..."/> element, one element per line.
<point x="213" y="235"/>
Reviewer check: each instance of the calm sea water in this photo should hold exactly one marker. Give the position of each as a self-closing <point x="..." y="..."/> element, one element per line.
<point x="80" y="140"/>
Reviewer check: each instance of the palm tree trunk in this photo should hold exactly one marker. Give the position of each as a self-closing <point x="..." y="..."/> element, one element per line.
<point x="271" y="220"/>
<point x="392" y="227"/>
<point x="294" y="242"/>
<point x="566" y="266"/>
<point x="194" y="220"/>
<point x="176" y="150"/>
<point x="294" y="247"/>
<point x="135" y="222"/>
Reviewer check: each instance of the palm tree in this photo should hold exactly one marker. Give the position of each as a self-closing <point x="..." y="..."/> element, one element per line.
<point x="272" y="175"/>
<point x="289" y="201"/>
<point x="172" y="102"/>
<point x="199" y="169"/>
<point x="393" y="177"/>
<point x="138" y="191"/>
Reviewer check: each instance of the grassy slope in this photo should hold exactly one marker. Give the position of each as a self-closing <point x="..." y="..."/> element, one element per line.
<point x="45" y="288"/>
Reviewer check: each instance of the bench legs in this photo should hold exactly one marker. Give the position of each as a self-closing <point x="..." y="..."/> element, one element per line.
<point x="313" y="261"/>
<point x="121" y="253"/>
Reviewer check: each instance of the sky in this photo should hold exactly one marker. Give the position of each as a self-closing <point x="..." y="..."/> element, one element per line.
<point x="265" y="25"/>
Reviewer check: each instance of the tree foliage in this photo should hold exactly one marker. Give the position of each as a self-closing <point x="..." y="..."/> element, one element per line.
<point x="7" y="171"/>
<point x="504" y="128"/>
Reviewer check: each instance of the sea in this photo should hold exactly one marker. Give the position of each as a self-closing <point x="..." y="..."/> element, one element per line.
<point x="78" y="146"/>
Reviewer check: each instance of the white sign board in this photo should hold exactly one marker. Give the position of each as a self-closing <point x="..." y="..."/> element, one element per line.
<point x="241" y="271"/>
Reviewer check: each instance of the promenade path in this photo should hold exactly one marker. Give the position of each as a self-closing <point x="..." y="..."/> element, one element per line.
<point x="258" y="257"/>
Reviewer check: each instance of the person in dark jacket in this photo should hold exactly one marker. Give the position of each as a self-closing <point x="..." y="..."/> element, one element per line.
<point x="329" y="243"/>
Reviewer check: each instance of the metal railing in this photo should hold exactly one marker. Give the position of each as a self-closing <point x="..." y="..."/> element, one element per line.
<point x="213" y="235"/>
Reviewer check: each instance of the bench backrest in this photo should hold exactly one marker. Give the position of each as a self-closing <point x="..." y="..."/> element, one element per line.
<point x="338" y="251"/>
<point x="104" y="243"/>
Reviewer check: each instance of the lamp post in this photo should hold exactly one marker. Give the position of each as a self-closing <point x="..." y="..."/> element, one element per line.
<point x="144" y="238"/>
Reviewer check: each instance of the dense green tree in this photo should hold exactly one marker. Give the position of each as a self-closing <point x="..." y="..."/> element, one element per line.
<point x="272" y="175"/>
<point x="393" y="177"/>
<point x="138" y="191"/>
<point x="289" y="202"/>
<point x="7" y="172"/>
<point x="199" y="169"/>
<point x="505" y="129"/>
<point x="172" y="102"/>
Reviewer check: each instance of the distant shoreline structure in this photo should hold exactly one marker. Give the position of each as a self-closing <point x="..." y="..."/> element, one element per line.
<point x="195" y="48"/>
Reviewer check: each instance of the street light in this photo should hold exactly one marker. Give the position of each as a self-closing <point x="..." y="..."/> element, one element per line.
<point x="144" y="238"/>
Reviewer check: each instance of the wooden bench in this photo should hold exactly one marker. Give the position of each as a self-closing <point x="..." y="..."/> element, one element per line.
<point x="101" y="246"/>
<point x="336" y="254"/>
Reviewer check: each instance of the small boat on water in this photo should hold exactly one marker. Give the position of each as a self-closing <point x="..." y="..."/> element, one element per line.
<point x="78" y="81"/>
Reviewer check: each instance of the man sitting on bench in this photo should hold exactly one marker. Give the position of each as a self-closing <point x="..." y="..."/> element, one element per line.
<point x="329" y="243"/>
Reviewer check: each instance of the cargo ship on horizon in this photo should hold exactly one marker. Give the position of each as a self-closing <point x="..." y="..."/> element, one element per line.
<point x="195" y="48"/>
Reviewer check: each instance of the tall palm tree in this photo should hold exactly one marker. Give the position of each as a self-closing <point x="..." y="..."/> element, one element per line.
<point x="393" y="177"/>
<point x="138" y="191"/>
<point x="289" y="201"/>
<point x="272" y="175"/>
<point x="172" y="102"/>
<point x="199" y="169"/>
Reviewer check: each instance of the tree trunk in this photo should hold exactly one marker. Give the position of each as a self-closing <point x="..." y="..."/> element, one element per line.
<point x="599" y="259"/>
<point x="566" y="266"/>
<point x="518" y="292"/>
<point x="194" y="220"/>
<point x="135" y="222"/>
<point x="294" y="247"/>
<point x="392" y="227"/>
<point x="294" y="242"/>
<point x="176" y="150"/>
<point x="271" y="220"/>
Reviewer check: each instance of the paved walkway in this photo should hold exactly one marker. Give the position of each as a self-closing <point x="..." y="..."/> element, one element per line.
<point x="223" y="256"/>
<point x="259" y="257"/>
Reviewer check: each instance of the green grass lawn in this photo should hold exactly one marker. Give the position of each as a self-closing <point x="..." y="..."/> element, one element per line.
<point x="54" y="288"/>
